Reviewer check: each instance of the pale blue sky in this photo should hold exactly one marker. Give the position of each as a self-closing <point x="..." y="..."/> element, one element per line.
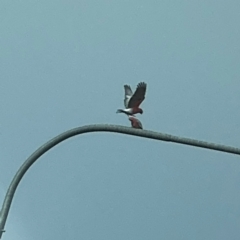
<point x="64" y="64"/>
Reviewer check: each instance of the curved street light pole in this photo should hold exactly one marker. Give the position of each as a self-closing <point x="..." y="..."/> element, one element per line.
<point x="96" y="128"/>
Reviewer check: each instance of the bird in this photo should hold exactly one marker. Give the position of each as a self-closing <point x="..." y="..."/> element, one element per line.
<point x="135" y="122"/>
<point x="132" y="100"/>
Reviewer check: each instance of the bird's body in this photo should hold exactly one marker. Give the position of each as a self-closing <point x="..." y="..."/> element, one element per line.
<point x="132" y="100"/>
<point x="135" y="122"/>
<point x="129" y="111"/>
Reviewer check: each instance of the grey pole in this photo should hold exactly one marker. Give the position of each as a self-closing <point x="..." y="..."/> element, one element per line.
<point x="96" y="128"/>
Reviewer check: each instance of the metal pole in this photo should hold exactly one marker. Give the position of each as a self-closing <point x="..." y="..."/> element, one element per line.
<point x="96" y="128"/>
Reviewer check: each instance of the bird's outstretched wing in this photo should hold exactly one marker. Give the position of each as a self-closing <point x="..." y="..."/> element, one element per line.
<point x="138" y="96"/>
<point x="128" y="95"/>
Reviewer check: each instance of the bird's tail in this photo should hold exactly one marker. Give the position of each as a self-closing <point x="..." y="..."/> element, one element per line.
<point x="120" y="111"/>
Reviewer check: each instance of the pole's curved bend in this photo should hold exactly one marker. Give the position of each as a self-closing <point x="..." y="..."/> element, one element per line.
<point x="96" y="128"/>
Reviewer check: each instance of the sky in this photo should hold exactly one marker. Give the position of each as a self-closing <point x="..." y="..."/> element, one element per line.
<point x="64" y="64"/>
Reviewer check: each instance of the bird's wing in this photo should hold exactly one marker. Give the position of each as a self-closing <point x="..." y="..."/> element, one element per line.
<point x="135" y="122"/>
<point x="138" y="95"/>
<point x="128" y="95"/>
<point x="139" y="124"/>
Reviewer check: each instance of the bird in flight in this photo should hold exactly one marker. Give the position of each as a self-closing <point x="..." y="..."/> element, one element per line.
<point x="132" y="100"/>
<point x="135" y="122"/>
